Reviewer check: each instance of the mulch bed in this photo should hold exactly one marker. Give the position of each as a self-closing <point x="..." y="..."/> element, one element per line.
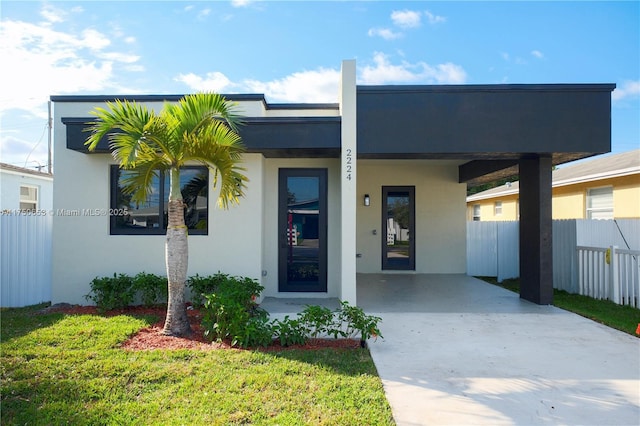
<point x="151" y="337"/>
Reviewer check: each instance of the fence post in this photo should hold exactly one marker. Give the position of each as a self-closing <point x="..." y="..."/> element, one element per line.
<point x="614" y="290"/>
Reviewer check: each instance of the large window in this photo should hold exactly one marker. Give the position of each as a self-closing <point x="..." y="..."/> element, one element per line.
<point x="150" y="217"/>
<point x="28" y="197"/>
<point x="600" y="203"/>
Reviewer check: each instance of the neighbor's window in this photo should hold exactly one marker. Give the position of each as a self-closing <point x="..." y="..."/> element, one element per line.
<point x="476" y="212"/>
<point x="497" y="208"/>
<point x="28" y="197"/>
<point x="150" y="217"/>
<point x="600" y="203"/>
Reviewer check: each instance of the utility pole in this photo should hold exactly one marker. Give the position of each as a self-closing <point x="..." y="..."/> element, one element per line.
<point x="50" y="129"/>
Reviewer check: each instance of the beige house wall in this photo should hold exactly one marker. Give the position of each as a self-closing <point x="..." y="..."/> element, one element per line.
<point x="440" y="213"/>
<point x="569" y="202"/>
<point x="626" y="198"/>
<point x="488" y="208"/>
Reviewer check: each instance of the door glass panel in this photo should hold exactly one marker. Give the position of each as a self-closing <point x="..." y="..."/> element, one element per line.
<point x="398" y="244"/>
<point x="303" y="227"/>
<point x="303" y="262"/>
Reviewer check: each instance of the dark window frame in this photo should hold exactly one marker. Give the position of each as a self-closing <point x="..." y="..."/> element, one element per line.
<point x="411" y="264"/>
<point x="161" y="229"/>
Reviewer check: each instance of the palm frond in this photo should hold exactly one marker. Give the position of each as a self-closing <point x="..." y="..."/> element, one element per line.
<point x="132" y="129"/>
<point x="139" y="179"/>
<point x="201" y="109"/>
<point x="221" y="149"/>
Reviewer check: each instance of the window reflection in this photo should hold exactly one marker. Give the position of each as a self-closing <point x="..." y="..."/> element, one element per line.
<point x="398" y="225"/>
<point x="150" y="216"/>
<point x="303" y="264"/>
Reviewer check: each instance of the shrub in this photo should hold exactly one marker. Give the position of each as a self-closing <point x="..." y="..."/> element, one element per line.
<point x="258" y="331"/>
<point x="318" y="320"/>
<point x="200" y="286"/>
<point x="111" y="292"/>
<point x="290" y="331"/>
<point x="232" y="313"/>
<point x="356" y="322"/>
<point x="151" y="288"/>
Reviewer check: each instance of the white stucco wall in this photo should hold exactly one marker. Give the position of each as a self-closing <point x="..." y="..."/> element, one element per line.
<point x="84" y="249"/>
<point x="270" y="238"/>
<point x="239" y="241"/>
<point x="440" y="213"/>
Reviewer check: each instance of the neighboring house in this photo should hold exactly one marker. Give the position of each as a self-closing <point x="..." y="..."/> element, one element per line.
<point x="605" y="187"/>
<point x="330" y="182"/>
<point x="25" y="189"/>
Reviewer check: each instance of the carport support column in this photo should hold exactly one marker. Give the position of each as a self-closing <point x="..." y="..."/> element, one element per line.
<point x="348" y="192"/>
<point x="536" y="251"/>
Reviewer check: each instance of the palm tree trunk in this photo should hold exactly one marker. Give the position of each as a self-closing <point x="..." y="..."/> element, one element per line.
<point x="177" y="259"/>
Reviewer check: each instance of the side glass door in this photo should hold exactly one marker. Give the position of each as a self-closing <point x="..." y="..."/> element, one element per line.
<point x="398" y="228"/>
<point x="302" y="230"/>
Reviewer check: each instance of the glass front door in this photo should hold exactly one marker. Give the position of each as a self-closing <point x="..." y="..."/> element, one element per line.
<point x="302" y="227"/>
<point x="398" y="227"/>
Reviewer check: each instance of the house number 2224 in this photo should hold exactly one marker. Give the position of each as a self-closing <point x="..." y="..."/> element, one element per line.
<point x="348" y="163"/>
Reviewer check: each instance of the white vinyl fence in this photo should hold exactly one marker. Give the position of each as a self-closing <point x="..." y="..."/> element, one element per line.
<point x="25" y="260"/>
<point x="579" y="249"/>
<point x="610" y="273"/>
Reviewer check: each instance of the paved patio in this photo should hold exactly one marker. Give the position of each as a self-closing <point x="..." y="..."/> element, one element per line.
<point x="459" y="351"/>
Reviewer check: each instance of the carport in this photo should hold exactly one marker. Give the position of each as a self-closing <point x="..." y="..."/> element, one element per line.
<point x="457" y="350"/>
<point x="500" y="131"/>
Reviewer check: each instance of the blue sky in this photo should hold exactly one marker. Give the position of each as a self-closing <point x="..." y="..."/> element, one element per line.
<point x="291" y="51"/>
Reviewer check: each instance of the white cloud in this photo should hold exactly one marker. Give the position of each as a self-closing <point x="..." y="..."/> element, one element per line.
<point x="322" y="84"/>
<point x="434" y="19"/>
<point x="319" y="85"/>
<point x="538" y="54"/>
<point x="204" y="13"/>
<point x="385" y="33"/>
<point x="45" y="61"/>
<point x="384" y="72"/>
<point x="52" y="14"/>
<point x="211" y="82"/>
<point x="628" y="89"/>
<point x="406" y="18"/>
<point x="240" y="3"/>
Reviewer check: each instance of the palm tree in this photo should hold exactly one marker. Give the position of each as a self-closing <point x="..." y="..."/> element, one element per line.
<point x="200" y="128"/>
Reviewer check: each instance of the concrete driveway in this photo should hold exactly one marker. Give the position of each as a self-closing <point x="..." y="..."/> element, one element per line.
<point x="459" y="351"/>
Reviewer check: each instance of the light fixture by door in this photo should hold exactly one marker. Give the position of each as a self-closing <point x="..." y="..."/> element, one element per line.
<point x="367" y="200"/>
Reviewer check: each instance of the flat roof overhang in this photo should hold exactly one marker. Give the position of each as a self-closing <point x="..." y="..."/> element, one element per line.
<point x="492" y="126"/>
<point x="271" y="136"/>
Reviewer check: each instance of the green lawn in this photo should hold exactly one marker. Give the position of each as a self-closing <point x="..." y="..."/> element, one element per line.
<point x="68" y="369"/>
<point x="624" y="318"/>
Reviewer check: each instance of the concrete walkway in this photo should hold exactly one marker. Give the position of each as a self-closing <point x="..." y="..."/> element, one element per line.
<point x="458" y="351"/>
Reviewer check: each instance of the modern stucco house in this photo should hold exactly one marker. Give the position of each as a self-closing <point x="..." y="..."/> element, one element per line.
<point x="373" y="184"/>
<point x="605" y="187"/>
